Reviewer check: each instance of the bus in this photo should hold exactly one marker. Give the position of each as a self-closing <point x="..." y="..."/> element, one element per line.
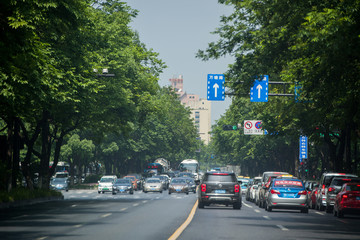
<point x="154" y="169"/>
<point x="190" y="165"/>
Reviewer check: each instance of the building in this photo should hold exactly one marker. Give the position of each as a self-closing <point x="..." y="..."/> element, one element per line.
<point x="200" y="108"/>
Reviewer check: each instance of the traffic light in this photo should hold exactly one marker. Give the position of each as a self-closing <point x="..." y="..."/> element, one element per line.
<point x="230" y="127"/>
<point x="306" y="166"/>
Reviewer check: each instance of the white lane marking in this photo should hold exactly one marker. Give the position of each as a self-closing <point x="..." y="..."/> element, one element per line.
<point x="257" y="210"/>
<point x="73" y="205"/>
<point x="247" y="205"/>
<point x="157" y="197"/>
<point x="267" y="217"/>
<point x="123" y="209"/>
<point x="343" y="221"/>
<point x="106" y="215"/>
<point x="135" y="204"/>
<point x="145" y="201"/>
<point x="22" y="216"/>
<point x="42" y="238"/>
<point x="282" y="227"/>
<point x="320" y="213"/>
<point x="78" y="226"/>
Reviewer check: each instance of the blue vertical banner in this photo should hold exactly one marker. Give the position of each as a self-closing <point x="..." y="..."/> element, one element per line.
<point x="216" y="87"/>
<point x="303" y="148"/>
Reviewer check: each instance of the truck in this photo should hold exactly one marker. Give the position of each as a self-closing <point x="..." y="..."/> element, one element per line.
<point x="165" y="163"/>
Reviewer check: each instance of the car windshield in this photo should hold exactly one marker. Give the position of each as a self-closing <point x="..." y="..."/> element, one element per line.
<point x="131" y="178"/>
<point x="339" y="182"/>
<point x="178" y="181"/>
<point x="124" y="181"/>
<point x="59" y="180"/>
<point x="288" y="183"/>
<point x="153" y="181"/>
<point x="105" y="180"/>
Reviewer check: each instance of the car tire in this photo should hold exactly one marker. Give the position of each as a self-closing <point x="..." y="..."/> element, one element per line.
<point x="237" y="206"/>
<point x="99" y="192"/>
<point x="169" y="192"/>
<point x="113" y="193"/>
<point x="160" y="191"/>
<point x="187" y="193"/>
<point x="334" y="213"/>
<point x="269" y="209"/>
<point x="145" y="191"/>
<point x="340" y="214"/>
<point x="132" y="192"/>
<point x="328" y="209"/>
<point x="305" y="210"/>
<point x="201" y="205"/>
<point x="102" y="192"/>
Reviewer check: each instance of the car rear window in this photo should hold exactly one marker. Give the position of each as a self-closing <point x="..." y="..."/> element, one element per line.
<point x="340" y="182"/>
<point x="288" y="183"/>
<point x="353" y="187"/>
<point x="220" y="178"/>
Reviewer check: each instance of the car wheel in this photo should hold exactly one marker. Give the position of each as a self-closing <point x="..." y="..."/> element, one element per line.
<point x="201" y="205"/>
<point x="187" y="193"/>
<point x="236" y="206"/>
<point x="269" y="209"/>
<point x="102" y="192"/>
<point x="145" y="191"/>
<point x="328" y="209"/>
<point x="321" y="208"/>
<point x="169" y="192"/>
<point x="340" y="214"/>
<point x="334" y="213"/>
<point x="305" y="210"/>
<point x="99" y="192"/>
<point x="67" y="190"/>
<point x="132" y="192"/>
<point x="113" y="193"/>
<point x="160" y="191"/>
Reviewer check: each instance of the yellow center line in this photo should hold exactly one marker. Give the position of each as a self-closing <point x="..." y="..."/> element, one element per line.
<point x="178" y="231"/>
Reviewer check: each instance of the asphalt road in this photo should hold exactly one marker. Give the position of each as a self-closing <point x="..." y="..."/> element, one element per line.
<point x="85" y="214"/>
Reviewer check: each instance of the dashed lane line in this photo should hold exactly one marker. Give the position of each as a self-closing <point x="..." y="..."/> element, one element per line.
<point x="106" y="215"/>
<point x="282" y="227"/>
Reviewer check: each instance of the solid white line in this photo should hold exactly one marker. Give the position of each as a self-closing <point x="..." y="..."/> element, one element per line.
<point x="42" y="238"/>
<point x="257" y="210"/>
<point x="267" y="217"/>
<point x="123" y="209"/>
<point x="282" y="228"/>
<point x="320" y="213"/>
<point x="249" y="206"/>
<point x="106" y="215"/>
<point x="78" y="226"/>
<point x="135" y="204"/>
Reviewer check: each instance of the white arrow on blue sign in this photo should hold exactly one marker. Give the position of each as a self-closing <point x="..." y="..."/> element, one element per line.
<point x="260" y="90"/>
<point x="215" y="87"/>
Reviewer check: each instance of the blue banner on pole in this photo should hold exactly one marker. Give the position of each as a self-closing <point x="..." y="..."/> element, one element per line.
<point x="303" y="148"/>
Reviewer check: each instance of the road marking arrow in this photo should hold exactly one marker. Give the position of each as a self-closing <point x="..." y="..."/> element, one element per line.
<point x="216" y="87"/>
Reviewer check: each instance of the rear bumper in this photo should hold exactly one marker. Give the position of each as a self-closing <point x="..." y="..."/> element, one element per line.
<point x="220" y="199"/>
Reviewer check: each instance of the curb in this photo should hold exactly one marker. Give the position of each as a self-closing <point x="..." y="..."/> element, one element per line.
<point x="29" y="202"/>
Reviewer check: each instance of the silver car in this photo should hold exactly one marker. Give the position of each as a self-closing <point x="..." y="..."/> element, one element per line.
<point x="153" y="185"/>
<point x="59" y="184"/>
<point x="287" y="193"/>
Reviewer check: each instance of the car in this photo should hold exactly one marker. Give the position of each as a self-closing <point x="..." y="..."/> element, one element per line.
<point x="287" y="193"/>
<point x="265" y="183"/>
<point x="347" y="201"/>
<point x="252" y="189"/>
<point x="138" y="180"/>
<point x="312" y="192"/>
<point x="133" y="180"/>
<point x="179" y="185"/>
<point x="192" y="185"/>
<point x="220" y="188"/>
<point x="186" y="174"/>
<point x="334" y="189"/>
<point x="243" y="184"/>
<point x="324" y="183"/>
<point x="123" y="185"/>
<point x="106" y="183"/>
<point x="164" y="180"/>
<point x="60" y="184"/>
<point x="152" y="185"/>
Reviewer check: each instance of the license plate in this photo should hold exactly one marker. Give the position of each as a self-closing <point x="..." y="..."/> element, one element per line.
<point x="288" y="195"/>
<point x="105" y="189"/>
<point x="220" y="191"/>
<point x="178" y="190"/>
<point x="122" y="190"/>
<point x="153" y="189"/>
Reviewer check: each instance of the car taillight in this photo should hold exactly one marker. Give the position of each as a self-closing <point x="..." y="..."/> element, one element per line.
<point x="331" y="189"/>
<point x="316" y="192"/>
<point x="302" y="192"/>
<point x="236" y="188"/>
<point x="203" y="187"/>
<point x="323" y="189"/>
<point x="272" y="191"/>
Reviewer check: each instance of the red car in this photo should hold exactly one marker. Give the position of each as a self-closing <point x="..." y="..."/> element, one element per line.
<point x="348" y="200"/>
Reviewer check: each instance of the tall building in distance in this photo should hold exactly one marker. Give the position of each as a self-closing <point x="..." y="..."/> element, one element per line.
<point x="200" y="108"/>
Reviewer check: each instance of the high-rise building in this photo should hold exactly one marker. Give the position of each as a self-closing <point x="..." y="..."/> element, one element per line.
<point x="200" y="108"/>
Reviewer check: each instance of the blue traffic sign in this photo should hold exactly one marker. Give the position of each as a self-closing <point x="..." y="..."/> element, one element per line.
<point x="260" y="91"/>
<point x="303" y="148"/>
<point x="215" y="87"/>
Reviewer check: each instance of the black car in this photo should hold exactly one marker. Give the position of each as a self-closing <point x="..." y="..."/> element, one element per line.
<point x="220" y="188"/>
<point x="123" y="185"/>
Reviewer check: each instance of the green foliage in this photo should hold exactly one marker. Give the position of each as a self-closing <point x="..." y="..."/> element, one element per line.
<point x="20" y="194"/>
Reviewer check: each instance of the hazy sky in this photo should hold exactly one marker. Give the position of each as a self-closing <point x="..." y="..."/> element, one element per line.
<point x="176" y="29"/>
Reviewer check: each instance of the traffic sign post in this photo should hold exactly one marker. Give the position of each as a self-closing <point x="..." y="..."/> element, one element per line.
<point x="215" y="87"/>
<point x="260" y="91"/>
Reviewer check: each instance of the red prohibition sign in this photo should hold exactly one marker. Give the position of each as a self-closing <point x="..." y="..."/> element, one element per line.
<point x="258" y="125"/>
<point x="248" y="125"/>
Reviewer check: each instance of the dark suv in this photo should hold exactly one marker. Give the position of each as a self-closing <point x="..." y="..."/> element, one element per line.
<point x="220" y="188"/>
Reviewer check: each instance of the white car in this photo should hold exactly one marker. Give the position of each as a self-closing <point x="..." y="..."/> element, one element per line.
<point x="106" y="183"/>
<point x="153" y="185"/>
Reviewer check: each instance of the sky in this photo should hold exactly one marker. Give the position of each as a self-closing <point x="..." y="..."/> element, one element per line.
<point x="177" y="29"/>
